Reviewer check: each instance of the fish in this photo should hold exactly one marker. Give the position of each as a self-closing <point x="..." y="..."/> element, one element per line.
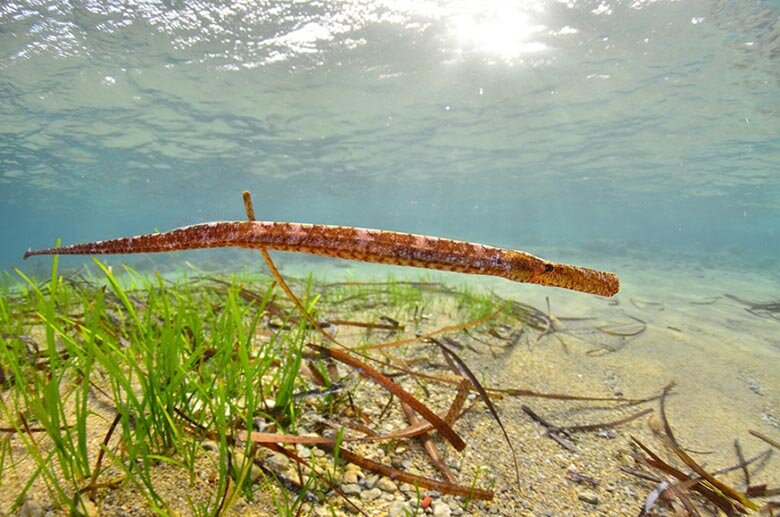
<point x="360" y="244"/>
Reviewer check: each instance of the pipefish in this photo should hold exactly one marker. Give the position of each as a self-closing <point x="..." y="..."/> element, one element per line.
<point x="361" y="244"/>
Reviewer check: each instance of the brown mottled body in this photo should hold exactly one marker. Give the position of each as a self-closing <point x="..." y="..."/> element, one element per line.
<point x="380" y="246"/>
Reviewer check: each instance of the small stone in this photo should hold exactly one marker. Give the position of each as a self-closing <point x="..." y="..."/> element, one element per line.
<point x="350" y="477"/>
<point x="239" y="460"/>
<point x="627" y="460"/>
<point x="655" y="423"/>
<point x="400" y="509"/>
<point x="277" y="462"/>
<point x="274" y="322"/>
<point x="352" y="508"/>
<point x="371" y="494"/>
<point x="387" y="485"/>
<point x="30" y="508"/>
<point x="209" y="445"/>
<point x="589" y="496"/>
<point x="87" y="508"/>
<point x="441" y="509"/>
<point x="260" y="424"/>
<point x="371" y="481"/>
<point x="351" y="488"/>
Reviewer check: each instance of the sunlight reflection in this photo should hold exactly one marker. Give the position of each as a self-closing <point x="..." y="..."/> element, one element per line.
<point x="503" y="28"/>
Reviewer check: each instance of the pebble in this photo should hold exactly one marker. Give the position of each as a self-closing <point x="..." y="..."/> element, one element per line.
<point x="350" y="477"/>
<point x="387" y="485"/>
<point x="400" y="509"/>
<point x="87" y="508"/>
<point x="209" y="445"/>
<point x="627" y="460"/>
<point x="406" y="464"/>
<point x="371" y="494"/>
<point x="441" y="509"/>
<point x="352" y="508"/>
<point x="303" y="452"/>
<point x="371" y="481"/>
<point x="239" y="460"/>
<point x="589" y="496"/>
<point x="351" y="488"/>
<point x="397" y="462"/>
<point x="277" y="462"/>
<point x="30" y="508"/>
<point x="655" y="424"/>
<point x="454" y="504"/>
<point x="351" y="467"/>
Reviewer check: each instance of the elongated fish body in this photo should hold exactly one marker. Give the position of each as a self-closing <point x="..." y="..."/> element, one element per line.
<point x="378" y="246"/>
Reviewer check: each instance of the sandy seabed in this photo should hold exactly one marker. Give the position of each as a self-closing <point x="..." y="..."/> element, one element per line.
<point x="700" y="334"/>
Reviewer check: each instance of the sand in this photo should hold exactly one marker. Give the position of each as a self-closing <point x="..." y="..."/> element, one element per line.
<point x="723" y="360"/>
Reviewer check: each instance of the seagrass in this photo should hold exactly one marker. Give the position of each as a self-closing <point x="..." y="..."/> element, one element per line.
<point x="361" y="244"/>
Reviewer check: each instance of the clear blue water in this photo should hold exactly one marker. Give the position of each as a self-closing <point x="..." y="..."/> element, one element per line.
<point x="637" y="136"/>
<point x="607" y="128"/>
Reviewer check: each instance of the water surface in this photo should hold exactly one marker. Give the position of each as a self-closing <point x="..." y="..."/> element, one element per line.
<point x="615" y="126"/>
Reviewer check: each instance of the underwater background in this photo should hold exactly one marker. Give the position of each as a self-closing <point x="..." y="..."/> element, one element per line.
<point x="634" y="136"/>
<point x="648" y="129"/>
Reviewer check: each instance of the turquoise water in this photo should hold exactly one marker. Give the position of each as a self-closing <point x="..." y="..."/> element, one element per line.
<point x="635" y="136"/>
<point x="606" y="128"/>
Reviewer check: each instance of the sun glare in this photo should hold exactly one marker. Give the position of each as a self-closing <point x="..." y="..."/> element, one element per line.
<point x="503" y="28"/>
